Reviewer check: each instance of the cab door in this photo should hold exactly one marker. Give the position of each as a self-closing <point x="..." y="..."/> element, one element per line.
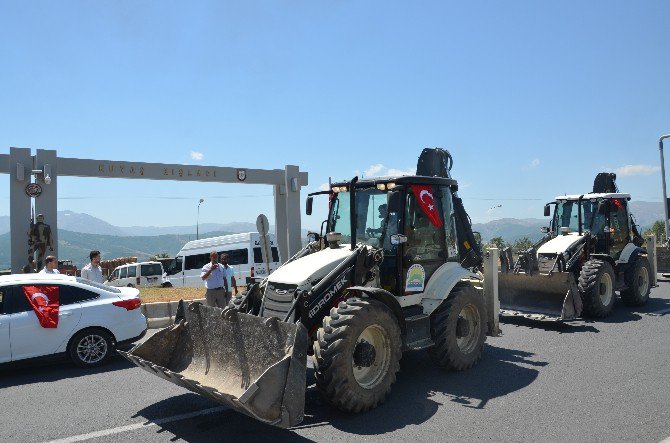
<point x="619" y="227"/>
<point x="5" y="348"/>
<point x="425" y="249"/>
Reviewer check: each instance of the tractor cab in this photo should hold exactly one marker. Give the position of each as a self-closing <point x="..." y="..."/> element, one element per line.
<point x="411" y="218"/>
<point x="605" y="216"/>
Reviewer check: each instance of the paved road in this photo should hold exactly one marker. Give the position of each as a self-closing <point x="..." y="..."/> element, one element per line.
<point x="586" y="381"/>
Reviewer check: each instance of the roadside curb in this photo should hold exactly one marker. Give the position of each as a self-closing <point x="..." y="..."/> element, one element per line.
<point x="161" y="314"/>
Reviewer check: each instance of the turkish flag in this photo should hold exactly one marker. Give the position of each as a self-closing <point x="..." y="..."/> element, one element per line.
<point x="424" y="195"/>
<point x="44" y="301"/>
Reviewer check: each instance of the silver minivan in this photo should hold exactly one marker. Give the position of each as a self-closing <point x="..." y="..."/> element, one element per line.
<point x="148" y="273"/>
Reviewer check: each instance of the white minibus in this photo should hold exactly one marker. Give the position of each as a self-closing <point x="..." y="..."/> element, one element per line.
<point x="244" y="255"/>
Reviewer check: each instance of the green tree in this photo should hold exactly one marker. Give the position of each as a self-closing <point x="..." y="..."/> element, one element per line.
<point x="522" y="244"/>
<point x="497" y="242"/>
<point x="159" y="255"/>
<point x="658" y="229"/>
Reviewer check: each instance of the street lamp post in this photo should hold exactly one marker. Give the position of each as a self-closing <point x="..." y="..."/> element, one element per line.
<point x="665" y="196"/>
<point x="197" y="222"/>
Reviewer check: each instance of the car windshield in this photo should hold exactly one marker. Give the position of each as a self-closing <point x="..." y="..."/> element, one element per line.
<point x="567" y="216"/>
<point x="372" y="217"/>
<point x="98" y="285"/>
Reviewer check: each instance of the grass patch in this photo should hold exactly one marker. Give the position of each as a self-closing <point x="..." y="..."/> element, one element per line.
<point x="158" y="294"/>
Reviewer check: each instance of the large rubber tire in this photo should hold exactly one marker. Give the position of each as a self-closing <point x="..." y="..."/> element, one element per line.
<point x="596" y="286"/>
<point x="458" y="328"/>
<point x="638" y="280"/>
<point x="338" y="352"/>
<point x="102" y="345"/>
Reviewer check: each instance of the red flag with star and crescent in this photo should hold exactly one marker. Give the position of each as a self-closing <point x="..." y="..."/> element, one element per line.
<point x="44" y="301"/>
<point x="424" y="195"/>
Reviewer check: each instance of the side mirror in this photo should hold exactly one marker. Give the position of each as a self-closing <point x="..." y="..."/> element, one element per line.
<point x="308" y="208"/>
<point x="312" y="236"/>
<point x="547" y="211"/>
<point x="395" y="201"/>
<point x="398" y="239"/>
<point x="544" y="229"/>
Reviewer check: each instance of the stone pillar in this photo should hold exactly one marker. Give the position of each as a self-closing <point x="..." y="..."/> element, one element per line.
<point x="20" y="167"/>
<point x="293" y="209"/>
<point x="281" y="222"/>
<point x="47" y="203"/>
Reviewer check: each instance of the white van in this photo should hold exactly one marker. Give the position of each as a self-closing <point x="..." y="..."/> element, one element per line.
<point x="148" y="273"/>
<point x="244" y="255"/>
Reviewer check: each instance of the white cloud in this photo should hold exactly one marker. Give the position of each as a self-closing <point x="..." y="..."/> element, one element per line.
<point x="373" y="170"/>
<point x="392" y="171"/>
<point x="324" y="187"/>
<point x="195" y="155"/>
<point x="379" y="170"/>
<point x="535" y="163"/>
<point x="629" y="170"/>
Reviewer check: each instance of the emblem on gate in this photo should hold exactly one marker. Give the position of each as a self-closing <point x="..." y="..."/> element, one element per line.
<point x="241" y="174"/>
<point x="33" y="190"/>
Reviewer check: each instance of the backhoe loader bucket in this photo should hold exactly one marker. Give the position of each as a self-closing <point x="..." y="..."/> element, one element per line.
<point x="254" y="365"/>
<point x="541" y="296"/>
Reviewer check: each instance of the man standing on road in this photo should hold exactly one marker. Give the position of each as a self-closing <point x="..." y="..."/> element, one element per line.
<point x="217" y="288"/>
<point x="93" y="271"/>
<point x="50" y="266"/>
<point x="229" y="274"/>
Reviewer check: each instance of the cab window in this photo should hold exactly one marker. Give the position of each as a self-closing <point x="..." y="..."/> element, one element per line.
<point x="123" y="272"/>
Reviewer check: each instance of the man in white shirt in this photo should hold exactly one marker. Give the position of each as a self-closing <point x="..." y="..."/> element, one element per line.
<point x="229" y="274"/>
<point x="212" y="274"/>
<point x="50" y="265"/>
<point x="93" y="271"/>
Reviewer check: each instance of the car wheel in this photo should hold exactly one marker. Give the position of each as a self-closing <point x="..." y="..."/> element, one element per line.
<point x="91" y="347"/>
<point x="130" y="285"/>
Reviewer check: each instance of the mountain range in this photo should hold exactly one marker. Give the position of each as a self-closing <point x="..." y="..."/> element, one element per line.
<point x="78" y="233"/>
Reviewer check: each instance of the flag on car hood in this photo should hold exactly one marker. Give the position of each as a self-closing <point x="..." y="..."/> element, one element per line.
<point x="44" y="301"/>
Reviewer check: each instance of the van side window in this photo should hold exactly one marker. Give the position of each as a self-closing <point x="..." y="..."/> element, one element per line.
<point x="152" y="269"/>
<point x="275" y="254"/>
<point x="237" y="256"/>
<point x="132" y="271"/>
<point x="196" y="261"/>
<point x="123" y="272"/>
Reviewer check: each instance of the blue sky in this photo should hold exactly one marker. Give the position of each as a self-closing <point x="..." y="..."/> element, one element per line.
<point x="531" y="98"/>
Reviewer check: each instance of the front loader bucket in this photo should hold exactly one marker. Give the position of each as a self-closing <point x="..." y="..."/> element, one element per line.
<point x="254" y="365"/>
<point x="542" y="296"/>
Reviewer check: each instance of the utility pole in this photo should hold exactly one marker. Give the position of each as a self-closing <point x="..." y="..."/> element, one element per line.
<point x="197" y="222"/>
<point x="665" y="195"/>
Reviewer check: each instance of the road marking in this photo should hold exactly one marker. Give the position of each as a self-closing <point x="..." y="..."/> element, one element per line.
<point x="133" y="427"/>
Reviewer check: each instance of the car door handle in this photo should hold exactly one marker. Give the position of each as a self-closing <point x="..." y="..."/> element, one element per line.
<point x="65" y="314"/>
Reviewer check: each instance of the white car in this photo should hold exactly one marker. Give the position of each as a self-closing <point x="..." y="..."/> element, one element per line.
<point x="92" y="319"/>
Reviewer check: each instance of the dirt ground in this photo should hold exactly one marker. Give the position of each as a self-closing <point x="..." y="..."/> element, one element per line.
<point x="150" y="295"/>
